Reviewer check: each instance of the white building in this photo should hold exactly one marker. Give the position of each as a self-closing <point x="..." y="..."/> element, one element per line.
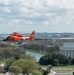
<point x="60" y="40"/>
<point x="67" y="49"/>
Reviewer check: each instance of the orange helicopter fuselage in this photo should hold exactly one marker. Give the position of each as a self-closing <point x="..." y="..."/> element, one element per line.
<point x="16" y="37"/>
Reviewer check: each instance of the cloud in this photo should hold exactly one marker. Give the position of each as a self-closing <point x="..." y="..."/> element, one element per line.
<point x="46" y="12"/>
<point x="68" y="4"/>
<point x="53" y="21"/>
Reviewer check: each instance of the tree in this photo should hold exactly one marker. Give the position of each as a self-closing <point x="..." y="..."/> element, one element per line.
<point x="67" y="61"/>
<point x="55" y="62"/>
<point x="46" y="60"/>
<point x="35" y="72"/>
<point x="63" y="60"/>
<point x="8" y="52"/>
<point x="26" y="65"/>
<point x="27" y="56"/>
<point x="45" y="72"/>
<point x="55" y="59"/>
<point x="15" y="69"/>
<point x="72" y="62"/>
<point x="9" y="63"/>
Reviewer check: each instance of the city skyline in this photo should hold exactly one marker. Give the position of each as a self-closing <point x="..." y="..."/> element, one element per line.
<point x="39" y="15"/>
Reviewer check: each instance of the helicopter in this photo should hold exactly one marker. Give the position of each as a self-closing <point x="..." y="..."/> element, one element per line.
<point x="16" y="37"/>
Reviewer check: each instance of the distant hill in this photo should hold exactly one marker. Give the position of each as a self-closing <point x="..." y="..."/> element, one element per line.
<point x="51" y="35"/>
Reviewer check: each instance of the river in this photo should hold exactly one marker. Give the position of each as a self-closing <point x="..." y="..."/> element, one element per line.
<point x="35" y="55"/>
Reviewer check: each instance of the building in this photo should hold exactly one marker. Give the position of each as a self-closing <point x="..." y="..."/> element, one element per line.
<point x="67" y="49"/>
<point x="61" y="40"/>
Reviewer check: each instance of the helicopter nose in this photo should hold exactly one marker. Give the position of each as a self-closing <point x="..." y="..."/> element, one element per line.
<point x="3" y="40"/>
<point x="6" y="38"/>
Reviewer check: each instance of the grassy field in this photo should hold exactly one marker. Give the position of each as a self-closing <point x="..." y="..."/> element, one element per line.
<point x="34" y="51"/>
<point x="69" y="66"/>
<point x="64" y="69"/>
<point x="61" y="69"/>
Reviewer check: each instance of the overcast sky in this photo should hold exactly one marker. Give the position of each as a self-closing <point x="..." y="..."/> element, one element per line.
<point x="39" y="15"/>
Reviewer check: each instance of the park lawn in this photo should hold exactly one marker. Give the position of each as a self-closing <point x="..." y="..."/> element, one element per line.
<point x="34" y="51"/>
<point x="69" y="66"/>
<point x="63" y="71"/>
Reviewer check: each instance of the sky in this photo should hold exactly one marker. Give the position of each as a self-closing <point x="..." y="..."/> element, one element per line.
<point x="39" y="15"/>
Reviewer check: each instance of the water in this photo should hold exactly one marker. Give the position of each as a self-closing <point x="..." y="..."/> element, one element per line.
<point x="36" y="55"/>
